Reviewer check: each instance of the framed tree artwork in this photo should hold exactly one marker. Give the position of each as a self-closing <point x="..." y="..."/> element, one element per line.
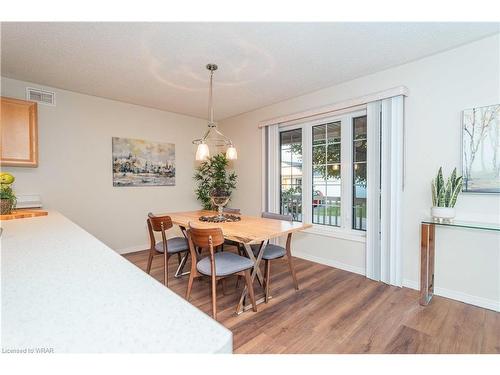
<point x="481" y="149"/>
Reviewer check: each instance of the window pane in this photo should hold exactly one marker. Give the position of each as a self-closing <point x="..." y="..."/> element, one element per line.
<point x="290" y="137"/>
<point x="333" y="194"/>
<point x="359" y="151"/>
<point x="326" y="174"/>
<point x="359" y="131"/>
<point x="319" y="134"/>
<point x="319" y="173"/>
<point x="333" y="173"/>
<point x="286" y="154"/>
<point x="318" y="155"/>
<point x="285" y="139"/>
<point x="359" y="214"/>
<point x="291" y="173"/>
<point x="359" y="173"/>
<point x="333" y="215"/>
<point x="319" y="195"/>
<point x="319" y="214"/>
<point x="333" y="132"/>
<point x="333" y="153"/>
<point x="359" y="207"/>
<point x="286" y="174"/>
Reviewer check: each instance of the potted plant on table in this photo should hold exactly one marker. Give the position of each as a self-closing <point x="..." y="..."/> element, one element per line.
<point x="7" y="198"/>
<point x="215" y="182"/>
<point x="444" y="195"/>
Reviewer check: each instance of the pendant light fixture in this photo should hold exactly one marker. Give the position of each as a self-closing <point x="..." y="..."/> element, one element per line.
<point x="213" y="137"/>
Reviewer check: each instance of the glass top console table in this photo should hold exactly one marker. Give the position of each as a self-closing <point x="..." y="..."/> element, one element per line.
<point x="427" y="240"/>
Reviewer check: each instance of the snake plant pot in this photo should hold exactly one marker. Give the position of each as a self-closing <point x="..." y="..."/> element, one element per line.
<point x="443" y="213"/>
<point x="5" y="206"/>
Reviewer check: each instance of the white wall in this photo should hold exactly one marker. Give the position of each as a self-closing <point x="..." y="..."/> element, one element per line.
<point x="74" y="175"/>
<point x="440" y="86"/>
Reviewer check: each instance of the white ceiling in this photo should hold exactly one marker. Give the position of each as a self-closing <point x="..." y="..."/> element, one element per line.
<point x="162" y="65"/>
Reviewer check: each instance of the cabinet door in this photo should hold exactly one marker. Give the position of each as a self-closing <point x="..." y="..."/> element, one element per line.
<point x="18" y="132"/>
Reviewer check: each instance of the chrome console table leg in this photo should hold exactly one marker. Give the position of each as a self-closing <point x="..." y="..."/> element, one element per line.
<point x="427" y="241"/>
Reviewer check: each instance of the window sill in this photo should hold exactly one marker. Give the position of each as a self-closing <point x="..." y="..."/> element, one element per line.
<point x="343" y="234"/>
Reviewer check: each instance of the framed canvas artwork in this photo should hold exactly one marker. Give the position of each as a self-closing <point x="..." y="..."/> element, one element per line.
<point x="481" y="149"/>
<point x="143" y="163"/>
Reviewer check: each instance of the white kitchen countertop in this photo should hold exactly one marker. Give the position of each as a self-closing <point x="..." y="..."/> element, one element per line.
<point x="63" y="289"/>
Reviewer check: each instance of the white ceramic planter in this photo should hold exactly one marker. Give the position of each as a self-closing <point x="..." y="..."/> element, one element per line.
<point x="443" y="213"/>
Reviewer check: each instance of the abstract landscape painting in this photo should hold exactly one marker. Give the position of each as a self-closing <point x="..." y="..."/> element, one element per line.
<point x="481" y="149"/>
<point x="142" y="163"/>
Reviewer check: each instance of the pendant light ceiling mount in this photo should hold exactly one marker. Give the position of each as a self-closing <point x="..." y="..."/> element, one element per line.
<point x="212" y="67"/>
<point x="213" y="137"/>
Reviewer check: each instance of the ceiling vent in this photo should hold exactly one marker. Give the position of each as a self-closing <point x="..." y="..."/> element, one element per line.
<point x="40" y="96"/>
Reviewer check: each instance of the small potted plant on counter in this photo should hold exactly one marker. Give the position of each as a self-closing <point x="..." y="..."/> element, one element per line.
<point x="444" y="195"/>
<point x="7" y="198"/>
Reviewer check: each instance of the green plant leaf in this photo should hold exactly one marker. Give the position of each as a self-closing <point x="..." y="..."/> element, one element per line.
<point x="442" y="198"/>
<point x="439" y="181"/>
<point x="213" y="175"/>
<point x="434" y="193"/>
<point x="448" y="192"/>
<point x="456" y="191"/>
<point x="453" y="178"/>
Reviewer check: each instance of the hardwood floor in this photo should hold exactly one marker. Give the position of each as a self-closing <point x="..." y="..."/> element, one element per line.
<point x="336" y="311"/>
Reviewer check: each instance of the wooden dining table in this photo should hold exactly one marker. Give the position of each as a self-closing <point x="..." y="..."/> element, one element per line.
<point x="250" y="230"/>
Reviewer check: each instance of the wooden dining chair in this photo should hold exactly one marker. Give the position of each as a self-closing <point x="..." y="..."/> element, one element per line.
<point x="272" y="252"/>
<point x="216" y="265"/>
<point x="167" y="247"/>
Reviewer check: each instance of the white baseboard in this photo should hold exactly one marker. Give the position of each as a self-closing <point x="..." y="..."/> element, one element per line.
<point x="459" y="296"/>
<point x="329" y="262"/>
<point x="132" y="249"/>
<point x="411" y="284"/>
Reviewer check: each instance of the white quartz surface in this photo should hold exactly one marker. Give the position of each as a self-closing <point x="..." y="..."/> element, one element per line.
<point x="64" y="289"/>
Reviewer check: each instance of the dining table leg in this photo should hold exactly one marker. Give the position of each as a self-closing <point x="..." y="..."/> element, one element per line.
<point x="255" y="273"/>
<point x="182" y="263"/>
<point x="179" y="272"/>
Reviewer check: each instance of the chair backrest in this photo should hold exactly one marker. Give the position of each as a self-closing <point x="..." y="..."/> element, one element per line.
<point x="236" y="211"/>
<point x="270" y="215"/>
<point x="158" y="224"/>
<point x="204" y="237"/>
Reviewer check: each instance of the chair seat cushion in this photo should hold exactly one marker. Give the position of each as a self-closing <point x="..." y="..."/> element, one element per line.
<point x="270" y="252"/>
<point x="226" y="263"/>
<point x="174" y="245"/>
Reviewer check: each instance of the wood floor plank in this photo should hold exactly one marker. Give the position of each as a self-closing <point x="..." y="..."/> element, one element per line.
<point x="382" y="324"/>
<point x="336" y="311"/>
<point x="410" y="341"/>
<point x="491" y="342"/>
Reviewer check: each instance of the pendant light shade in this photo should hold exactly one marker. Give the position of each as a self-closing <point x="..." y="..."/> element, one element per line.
<point x="213" y="137"/>
<point x="202" y="152"/>
<point x="231" y="153"/>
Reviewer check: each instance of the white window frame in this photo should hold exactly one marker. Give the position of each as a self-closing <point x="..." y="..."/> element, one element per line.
<point x="345" y="231"/>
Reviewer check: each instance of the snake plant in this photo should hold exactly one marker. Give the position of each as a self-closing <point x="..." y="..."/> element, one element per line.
<point x="445" y="194"/>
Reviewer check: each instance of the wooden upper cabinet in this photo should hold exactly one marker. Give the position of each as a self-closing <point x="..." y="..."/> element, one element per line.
<point x="18" y="133"/>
